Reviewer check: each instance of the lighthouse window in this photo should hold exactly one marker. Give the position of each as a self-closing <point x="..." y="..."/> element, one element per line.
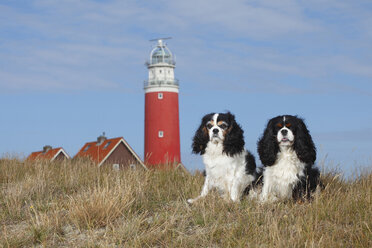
<point x="160" y="95"/>
<point x="159" y="71"/>
<point x="161" y="134"/>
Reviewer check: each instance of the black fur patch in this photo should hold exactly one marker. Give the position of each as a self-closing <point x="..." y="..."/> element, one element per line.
<point x="234" y="138"/>
<point x="307" y="184"/>
<point x="250" y="163"/>
<point x="201" y="138"/>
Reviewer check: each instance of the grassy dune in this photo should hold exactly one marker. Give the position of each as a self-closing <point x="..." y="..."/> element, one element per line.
<point x="76" y="204"/>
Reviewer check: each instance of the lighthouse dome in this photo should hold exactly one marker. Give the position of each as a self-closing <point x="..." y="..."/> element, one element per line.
<point x="161" y="54"/>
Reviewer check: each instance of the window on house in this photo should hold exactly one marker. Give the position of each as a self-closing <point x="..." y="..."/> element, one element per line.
<point x="116" y="167"/>
<point x="132" y="166"/>
<point x="161" y="134"/>
<point x="107" y="144"/>
<point x="160" y="95"/>
<point x="86" y="148"/>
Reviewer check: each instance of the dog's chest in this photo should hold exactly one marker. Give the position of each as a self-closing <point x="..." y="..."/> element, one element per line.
<point x="287" y="169"/>
<point x="220" y="167"/>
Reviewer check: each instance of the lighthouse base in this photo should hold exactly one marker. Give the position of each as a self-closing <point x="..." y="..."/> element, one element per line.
<point x="162" y="136"/>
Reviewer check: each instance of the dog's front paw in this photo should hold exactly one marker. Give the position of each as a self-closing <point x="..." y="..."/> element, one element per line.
<point x="254" y="195"/>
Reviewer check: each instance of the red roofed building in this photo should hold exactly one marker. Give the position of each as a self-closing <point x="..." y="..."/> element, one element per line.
<point x="116" y="152"/>
<point x="49" y="153"/>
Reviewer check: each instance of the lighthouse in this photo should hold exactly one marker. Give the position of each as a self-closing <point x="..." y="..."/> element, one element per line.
<point x="162" y="133"/>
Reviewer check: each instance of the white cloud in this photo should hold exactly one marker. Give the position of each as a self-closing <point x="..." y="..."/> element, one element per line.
<point x="241" y="18"/>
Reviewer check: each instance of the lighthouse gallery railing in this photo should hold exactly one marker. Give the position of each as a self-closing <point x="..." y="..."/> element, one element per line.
<point x="149" y="83"/>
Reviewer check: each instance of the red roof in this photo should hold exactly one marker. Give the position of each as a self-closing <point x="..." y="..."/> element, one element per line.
<point x="99" y="153"/>
<point x="49" y="155"/>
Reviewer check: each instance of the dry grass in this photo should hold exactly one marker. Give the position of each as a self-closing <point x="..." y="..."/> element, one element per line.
<point x="76" y="204"/>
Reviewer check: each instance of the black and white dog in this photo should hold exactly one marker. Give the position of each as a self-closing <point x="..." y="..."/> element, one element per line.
<point x="287" y="153"/>
<point x="229" y="167"/>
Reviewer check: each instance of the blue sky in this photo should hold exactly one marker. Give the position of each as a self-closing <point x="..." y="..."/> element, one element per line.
<point x="70" y="70"/>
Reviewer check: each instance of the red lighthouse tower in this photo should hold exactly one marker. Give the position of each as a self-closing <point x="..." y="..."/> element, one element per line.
<point x="162" y="133"/>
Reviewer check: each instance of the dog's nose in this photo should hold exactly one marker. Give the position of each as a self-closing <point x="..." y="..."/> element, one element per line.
<point x="215" y="130"/>
<point x="284" y="132"/>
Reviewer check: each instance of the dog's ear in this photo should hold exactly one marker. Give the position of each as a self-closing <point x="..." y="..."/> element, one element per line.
<point x="267" y="146"/>
<point x="201" y="136"/>
<point x="234" y="137"/>
<point x="303" y="144"/>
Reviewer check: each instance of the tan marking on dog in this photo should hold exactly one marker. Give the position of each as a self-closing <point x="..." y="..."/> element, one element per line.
<point x="227" y="131"/>
<point x="205" y="131"/>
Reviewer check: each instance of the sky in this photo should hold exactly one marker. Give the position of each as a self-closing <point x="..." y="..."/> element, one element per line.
<point x="70" y="70"/>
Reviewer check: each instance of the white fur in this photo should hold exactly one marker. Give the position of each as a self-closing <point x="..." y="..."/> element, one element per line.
<point x="280" y="179"/>
<point x="225" y="173"/>
<point x="289" y="136"/>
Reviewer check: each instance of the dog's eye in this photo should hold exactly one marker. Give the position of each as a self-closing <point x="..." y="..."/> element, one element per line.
<point x="280" y="125"/>
<point x="288" y="125"/>
<point x="223" y="126"/>
<point x="209" y="126"/>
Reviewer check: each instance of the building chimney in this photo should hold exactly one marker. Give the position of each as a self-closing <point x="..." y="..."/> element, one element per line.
<point x="47" y="148"/>
<point x="101" y="139"/>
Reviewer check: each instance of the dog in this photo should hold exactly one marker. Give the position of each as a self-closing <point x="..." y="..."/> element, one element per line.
<point x="288" y="153"/>
<point x="229" y="167"/>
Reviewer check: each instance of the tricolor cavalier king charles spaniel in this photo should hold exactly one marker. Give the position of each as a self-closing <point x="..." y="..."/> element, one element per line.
<point x="287" y="153"/>
<point x="229" y="167"/>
